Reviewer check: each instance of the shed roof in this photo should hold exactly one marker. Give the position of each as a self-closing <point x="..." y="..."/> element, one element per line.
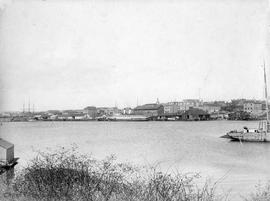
<point x="72" y="115"/>
<point x="148" y="107"/>
<point x="196" y="111"/>
<point x="5" y="144"/>
<point x="90" y="108"/>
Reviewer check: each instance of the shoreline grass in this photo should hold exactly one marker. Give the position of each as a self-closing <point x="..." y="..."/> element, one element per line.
<point x="65" y="174"/>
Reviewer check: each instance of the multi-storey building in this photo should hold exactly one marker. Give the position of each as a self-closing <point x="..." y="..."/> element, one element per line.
<point x="171" y="107"/>
<point x="211" y="108"/>
<point x="253" y="108"/>
<point x="195" y="103"/>
<point x="91" y="111"/>
<point x="176" y="107"/>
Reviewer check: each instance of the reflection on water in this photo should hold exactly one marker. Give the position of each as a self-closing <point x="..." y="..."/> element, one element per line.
<point x="181" y="146"/>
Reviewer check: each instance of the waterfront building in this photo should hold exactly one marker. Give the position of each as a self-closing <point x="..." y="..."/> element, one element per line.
<point x="220" y="103"/>
<point x="194" y="103"/>
<point x="62" y="117"/>
<point x="80" y="116"/>
<point x="149" y="110"/>
<point x="73" y="115"/>
<point x="170" y="108"/>
<point x="183" y="106"/>
<point x="194" y="114"/>
<point x="219" y="115"/>
<point x="107" y="111"/>
<point x="52" y="117"/>
<point x="72" y="111"/>
<point x="91" y="111"/>
<point x="5" y="117"/>
<point x="211" y="108"/>
<point x="253" y="108"/>
<point x="175" y="107"/>
<point x="5" y="114"/>
<point x="45" y="116"/>
<point x="54" y="112"/>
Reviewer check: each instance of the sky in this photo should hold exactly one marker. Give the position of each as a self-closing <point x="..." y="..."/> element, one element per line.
<point x="64" y="54"/>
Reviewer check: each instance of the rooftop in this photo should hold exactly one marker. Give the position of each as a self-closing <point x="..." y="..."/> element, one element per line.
<point x="90" y="108"/>
<point x="191" y="100"/>
<point x="5" y="144"/>
<point x="148" y="107"/>
<point x="196" y="111"/>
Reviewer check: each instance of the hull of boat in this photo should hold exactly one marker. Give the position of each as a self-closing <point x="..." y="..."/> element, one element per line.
<point x="128" y="118"/>
<point x="249" y="137"/>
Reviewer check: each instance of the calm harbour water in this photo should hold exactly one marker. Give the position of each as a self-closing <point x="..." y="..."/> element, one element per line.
<point x="181" y="146"/>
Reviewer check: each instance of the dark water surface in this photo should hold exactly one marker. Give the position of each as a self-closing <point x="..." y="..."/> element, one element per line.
<point x="181" y="146"/>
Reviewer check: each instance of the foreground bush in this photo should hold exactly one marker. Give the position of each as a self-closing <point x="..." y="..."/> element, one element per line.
<point x="262" y="193"/>
<point x="67" y="175"/>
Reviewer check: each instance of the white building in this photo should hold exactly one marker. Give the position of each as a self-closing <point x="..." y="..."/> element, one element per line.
<point x="176" y="107"/>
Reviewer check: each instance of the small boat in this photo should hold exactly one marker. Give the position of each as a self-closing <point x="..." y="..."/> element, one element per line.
<point x="262" y="134"/>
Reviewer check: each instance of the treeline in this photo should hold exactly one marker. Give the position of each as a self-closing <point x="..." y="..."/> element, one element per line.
<point x="241" y="115"/>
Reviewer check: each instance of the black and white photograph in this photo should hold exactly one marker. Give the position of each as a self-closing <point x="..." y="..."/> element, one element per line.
<point x="134" y="100"/>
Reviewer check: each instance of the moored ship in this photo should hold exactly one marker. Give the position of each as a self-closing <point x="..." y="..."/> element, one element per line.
<point x="128" y="118"/>
<point x="262" y="134"/>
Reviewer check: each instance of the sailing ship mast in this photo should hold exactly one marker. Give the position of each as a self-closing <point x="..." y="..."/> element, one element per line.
<point x="266" y="97"/>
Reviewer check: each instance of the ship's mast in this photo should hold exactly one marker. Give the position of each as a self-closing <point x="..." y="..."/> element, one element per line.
<point x="29" y="106"/>
<point x="266" y="97"/>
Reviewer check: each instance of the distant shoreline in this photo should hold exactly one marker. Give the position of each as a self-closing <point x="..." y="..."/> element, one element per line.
<point x="95" y="120"/>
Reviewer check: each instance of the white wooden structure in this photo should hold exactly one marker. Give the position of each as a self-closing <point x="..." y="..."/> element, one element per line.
<point x="6" y="152"/>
